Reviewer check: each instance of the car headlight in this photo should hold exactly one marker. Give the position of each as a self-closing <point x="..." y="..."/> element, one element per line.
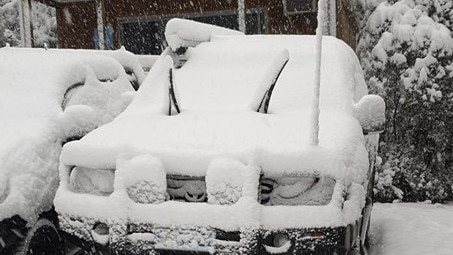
<point x="91" y="181"/>
<point x="297" y="190"/>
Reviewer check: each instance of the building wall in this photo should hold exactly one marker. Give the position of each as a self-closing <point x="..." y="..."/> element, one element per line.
<point x="347" y="28"/>
<point x="75" y="24"/>
<point x="77" y="21"/>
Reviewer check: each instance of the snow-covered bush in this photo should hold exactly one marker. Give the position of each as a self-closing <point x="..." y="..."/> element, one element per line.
<point x="404" y="177"/>
<point x="44" y="24"/>
<point x="9" y="23"/>
<point x="406" y="50"/>
<point x="387" y="174"/>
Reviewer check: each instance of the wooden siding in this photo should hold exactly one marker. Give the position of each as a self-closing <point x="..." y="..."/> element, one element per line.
<point x="79" y="32"/>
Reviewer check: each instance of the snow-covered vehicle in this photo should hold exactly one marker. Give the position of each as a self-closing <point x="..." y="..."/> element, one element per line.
<point x="47" y="98"/>
<point x="213" y="155"/>
<point x="131" y="63"/>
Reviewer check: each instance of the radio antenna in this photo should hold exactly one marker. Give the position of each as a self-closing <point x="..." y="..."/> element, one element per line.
<point x="314" y="130"/>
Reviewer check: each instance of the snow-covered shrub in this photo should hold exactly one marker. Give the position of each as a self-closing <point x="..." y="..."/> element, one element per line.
<point x="9" y="23"/>
<point x="406" y="50"/>
<point x="44" y="24"/>
<point x="386" y="175"/>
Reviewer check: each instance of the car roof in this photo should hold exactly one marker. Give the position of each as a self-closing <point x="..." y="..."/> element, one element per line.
<point x="40" y="77"/>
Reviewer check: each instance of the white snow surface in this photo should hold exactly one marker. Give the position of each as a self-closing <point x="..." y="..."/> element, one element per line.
<point x="147" y="61"/>
<point x="33" y="124"/>
<point x="216" y="88"/>
<point x="188" y="33"/>
<point x="411" y="229"/>
<point x="128" y="60"/>
<point x="370" y="112"/>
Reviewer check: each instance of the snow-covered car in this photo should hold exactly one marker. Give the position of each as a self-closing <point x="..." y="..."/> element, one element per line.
<point x="131" y="63"/>
<point x="47" y="98"/>
<point x="214" y="153"/>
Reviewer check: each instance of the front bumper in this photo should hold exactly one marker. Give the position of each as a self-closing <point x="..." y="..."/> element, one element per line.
<point x="143" y="238"/>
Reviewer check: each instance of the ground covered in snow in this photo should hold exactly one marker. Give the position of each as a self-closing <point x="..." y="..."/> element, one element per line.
<point x="412" y="229"/>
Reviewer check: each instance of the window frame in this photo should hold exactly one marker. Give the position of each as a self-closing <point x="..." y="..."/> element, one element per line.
<point x="261" y="28"/>
<point x="287" y="12"/>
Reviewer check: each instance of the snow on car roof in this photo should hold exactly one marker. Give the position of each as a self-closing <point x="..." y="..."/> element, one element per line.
<point x="33" y="83"/>
<point x="128" y="60"/>
<point x="217" y="90"/>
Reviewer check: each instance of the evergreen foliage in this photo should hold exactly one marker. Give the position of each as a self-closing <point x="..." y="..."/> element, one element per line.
<point x="44" y="24"/>
<point x="406" y="50"/>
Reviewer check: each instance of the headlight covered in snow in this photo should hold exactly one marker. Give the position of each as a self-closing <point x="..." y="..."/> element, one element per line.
<point x="297" y="190"/>
<point x="91" y="181"/>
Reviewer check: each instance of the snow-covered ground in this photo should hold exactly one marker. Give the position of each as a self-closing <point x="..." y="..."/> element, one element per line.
<point x="412" y="229"/>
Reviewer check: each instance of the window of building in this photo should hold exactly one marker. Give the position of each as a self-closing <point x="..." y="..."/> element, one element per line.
<point x="299" y="6"/>
<point x="147" y="36"/>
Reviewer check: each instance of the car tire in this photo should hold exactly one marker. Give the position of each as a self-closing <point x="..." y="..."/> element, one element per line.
<point x="42" y="239"/>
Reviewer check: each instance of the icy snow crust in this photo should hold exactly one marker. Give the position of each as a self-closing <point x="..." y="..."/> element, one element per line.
<point x="217" y="89"/>
<point x="33" y="124"/>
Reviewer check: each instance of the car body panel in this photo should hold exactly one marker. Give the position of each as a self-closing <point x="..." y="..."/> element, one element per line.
<point x="218" y="129"/>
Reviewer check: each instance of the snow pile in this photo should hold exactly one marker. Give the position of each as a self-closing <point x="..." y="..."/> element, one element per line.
<point x="147" y="61"/>
<point x="370" y="111"/>
<point x="97" y="96"/>
<point x="99" y="182"/>
<point x="128" y="60"/>
<point x="224" y="181"/>
<point x="144" y="178"/>
<point x="187" y="33"/>
<point x="34" y="123"/>
<point x="29" y="172"/>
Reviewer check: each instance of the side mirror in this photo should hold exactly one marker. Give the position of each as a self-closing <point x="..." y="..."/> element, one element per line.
<point x="370" y="112"/>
